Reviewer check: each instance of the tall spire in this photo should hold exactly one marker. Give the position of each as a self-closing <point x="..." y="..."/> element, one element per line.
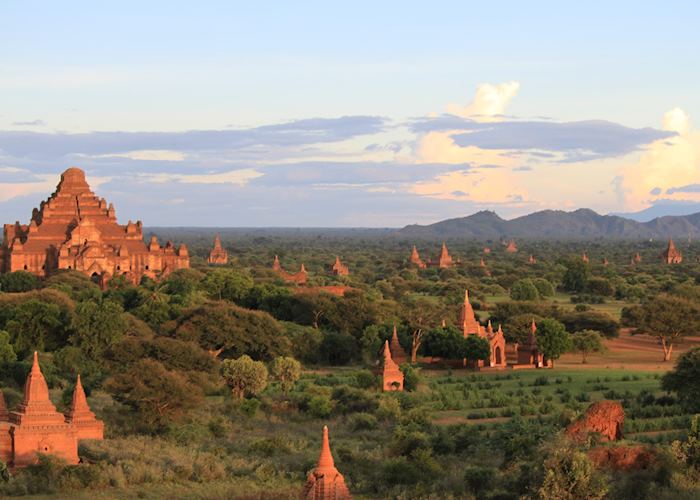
<point x="467" y="318"/>
<point x="36" y="405"/>
<point x="398" y="353"/>
<point x="325" y="482"/>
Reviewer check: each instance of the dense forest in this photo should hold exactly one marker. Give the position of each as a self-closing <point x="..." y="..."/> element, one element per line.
<point x="215" y="381"/>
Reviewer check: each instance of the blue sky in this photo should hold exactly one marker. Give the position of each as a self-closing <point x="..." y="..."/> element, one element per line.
<point x="350" y="114"/>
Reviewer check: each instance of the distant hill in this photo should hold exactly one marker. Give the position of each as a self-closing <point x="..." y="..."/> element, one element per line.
<point x="556" y="224"/>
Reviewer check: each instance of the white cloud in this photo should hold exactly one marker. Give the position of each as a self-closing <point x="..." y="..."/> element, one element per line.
<point x="667" y="163"/>
<point x="236" y="177"/>
<point x="489" y="101"/>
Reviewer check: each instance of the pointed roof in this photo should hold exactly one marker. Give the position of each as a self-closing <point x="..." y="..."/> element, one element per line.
<point x="388" y="362"/>
<point x="217" y="242"/>
<point x="467" y="318"/>
<point x="302" y="269"/>
<point x="79" y="408"/>
<point x="36" y="406"/>
<point x="532" y="335"/>
<point x="443" y="251"/>
<point x="276" y="264"/>
<point x="325" y="482"/>
<point x="397" y="351"/>
<point x="414" y="253"/>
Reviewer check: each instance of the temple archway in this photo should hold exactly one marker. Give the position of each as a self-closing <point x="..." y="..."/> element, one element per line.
<point x="498" y="355"/>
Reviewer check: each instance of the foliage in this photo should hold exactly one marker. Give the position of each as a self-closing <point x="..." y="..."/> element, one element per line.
<point x="552" y="339"/>
<point x="411" y="377"/>
<point x="570" y="475"/>
<point x="576" y="276"/>
<point x="524" y="289"/>
<point x="18" y="281"/>
<point x="586" y="342"/>
<point x="7" y="353"/>
<point x="96" y="326"/>
<point x="684" y="380"/>
<point x="286" y="371"/>
<point x="158" y="397"/>
<point x="244" y="376"/>
<point x="450" y="343"/>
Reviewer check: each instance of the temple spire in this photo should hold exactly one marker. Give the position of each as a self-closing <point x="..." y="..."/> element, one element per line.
<point x="325" y="459"/>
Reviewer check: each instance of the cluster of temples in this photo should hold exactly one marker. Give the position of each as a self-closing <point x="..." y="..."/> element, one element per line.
<point x="74" y="229"/>
<point x="443" y="261"/>
<point x="37" y="427"/>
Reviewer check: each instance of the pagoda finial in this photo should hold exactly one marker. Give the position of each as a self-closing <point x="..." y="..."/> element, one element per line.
<point x="35" y="364"/>
<point x="325" y="459"/>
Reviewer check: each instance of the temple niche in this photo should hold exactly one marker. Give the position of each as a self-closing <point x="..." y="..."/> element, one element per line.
<point x="218" y="255"/>
<point x="37" y="427"/>
<point x="74" y="229"/>
<point x="671" y="255"/>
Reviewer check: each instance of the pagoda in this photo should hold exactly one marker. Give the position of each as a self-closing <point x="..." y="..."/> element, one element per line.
<point x="496" y="339"/>
<point x="528" y="354"/>
<point x="584" y="258"/>
<point x="671" y="255"/>
<point x="392" y="377"/>
<point x="74" y="229"/>
<point x="398" y="353"/>
<point x="324" y="482"/>
<point x="532" y="260"/>
<point x="444" y="260"/>
<point x="218" y="255"/>
<point x="511" y="247"/>
<point x="415" y="259"/>
<point x="339" y="269"/>
<point x="37" y="427"/>
<point x="636" y="259"/>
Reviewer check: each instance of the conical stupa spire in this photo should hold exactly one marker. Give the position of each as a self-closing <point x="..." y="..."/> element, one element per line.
<point x="325" y="459"/>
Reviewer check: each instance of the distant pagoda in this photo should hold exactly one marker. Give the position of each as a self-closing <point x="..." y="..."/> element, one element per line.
<point x="324" y="482"/>
<point x="218" y="255"/>
<point x="671" y="255"/>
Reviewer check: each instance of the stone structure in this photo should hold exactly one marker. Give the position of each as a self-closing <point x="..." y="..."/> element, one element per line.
<point x="671" y="255"/>
<point x="606" y="418"/>
<point x="511" y="247"/>
<point x="487" y="250"/>
<point x="36" y="427"/>
<point x="398" y="353"/>
<point x="482" y="265"/>
<point x="584" y="258"/>
<point x="605" y="262"/>
<point x="637" y="258"/>
<point x="339" y="269"/>
<point x="444" y="260"/>
<point x="415" y="259"/>
<point x="532" y="260"/>
<point x="324" y="482"/>
<point x="74" y="229"/>
<point x="218" y="255"/>
<point x="392" y="377"/>
<point x="528" y="355"/>
<point x="497" y="341"/>
<point x="299" y="278"/>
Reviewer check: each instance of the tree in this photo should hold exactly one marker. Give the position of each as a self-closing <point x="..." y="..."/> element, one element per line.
<point x="244" y="376"/>
<point x="420" y="314"/>
<point x="544" y="287"/>
<point x="450" y="343"/>
<point x="227" y="284"/>
<point x="576" y="276"/>
<point x="669" y="318"/>
<point x="18" y="281"/>
<point x="96" y="326"/>
<point x="7" y="353"/>
<point x="570" y="475"/>
<point x="36" y="326"/>
<point x="600" y="286"/>
<point x="684" y="380"/>
<point x="411" y="378"/>
<point x="524" y="289"/>
<point x="159" y="397"/>
<point x="586" y="342"/>
<point x="286" y="371"/>
<point x="552" y="339"/>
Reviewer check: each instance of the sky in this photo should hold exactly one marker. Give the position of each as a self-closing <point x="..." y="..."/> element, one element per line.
<point x="337" y="114"/>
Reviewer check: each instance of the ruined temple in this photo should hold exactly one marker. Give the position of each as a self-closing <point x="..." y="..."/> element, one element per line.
<point x="496" y="339"/>
<point x="37" y="427"/>
<point x="392" y="377"/>
<point x="511" y="247"/>
<point x="74" y="229"/>
<point x="636" y="259"/>
<point x="324" y="482"/>
<point x="584" y="258"/>
<point x="339" y="269"/>
<point x="415" y="258"/>
<point x="299" y="278"/>
<point x="218" y="255"/>
<point x="532" y="260"/>
<point x="671" y="255"/>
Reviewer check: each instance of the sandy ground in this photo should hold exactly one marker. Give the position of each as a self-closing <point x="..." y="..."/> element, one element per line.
<point x="631" y="352"/>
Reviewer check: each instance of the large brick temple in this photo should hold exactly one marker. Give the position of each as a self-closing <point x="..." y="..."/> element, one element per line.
<point x="74" y="229"/>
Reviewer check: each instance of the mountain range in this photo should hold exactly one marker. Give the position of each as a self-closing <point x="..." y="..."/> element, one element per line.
<point x="557" y="224"/>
